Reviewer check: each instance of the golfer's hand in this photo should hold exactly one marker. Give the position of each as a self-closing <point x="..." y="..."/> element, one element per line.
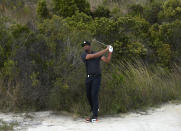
<point x="110" y="48"/>
<point x="107" y="49"/>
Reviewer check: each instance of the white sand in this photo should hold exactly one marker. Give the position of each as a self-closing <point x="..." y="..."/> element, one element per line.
<point x="165" y="118"/>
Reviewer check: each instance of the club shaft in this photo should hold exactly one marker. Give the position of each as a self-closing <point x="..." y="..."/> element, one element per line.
<point x="100" y="43"/>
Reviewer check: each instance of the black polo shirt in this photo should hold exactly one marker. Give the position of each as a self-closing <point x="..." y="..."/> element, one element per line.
<point x="92" y="65"/>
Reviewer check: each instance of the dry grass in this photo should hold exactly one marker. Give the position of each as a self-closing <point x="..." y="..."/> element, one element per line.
<point x="23" y="14"/>
<point x="4" y="126"/>
<point x="131" y="86"/>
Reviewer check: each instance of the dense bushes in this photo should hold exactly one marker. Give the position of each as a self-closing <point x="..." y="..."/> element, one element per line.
<point x="42" y="11"/>
<point x="64" y="8"/>
<point x="101" y="11"/>
<point x="171" y="10"/>
<point x="40" y="65"/>
<point x="68" y="8"/>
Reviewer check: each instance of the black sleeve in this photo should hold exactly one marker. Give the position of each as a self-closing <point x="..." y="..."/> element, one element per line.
<point x="83" y="56"/>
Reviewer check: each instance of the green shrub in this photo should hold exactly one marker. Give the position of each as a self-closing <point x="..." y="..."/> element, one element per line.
<point x="116" y="12"/>
<point x="42" y="10"/>
<point x="171" y="10"/>
<point x="101" y="11"/>
<point x="129" y="50"/>
<point x="167" y="33"/>
<point x="151" y="12"/>
<point x="83" y="6"/>
<point x="5" y="42"/>
<point x="80" y="21"/>
<point x="136" y="10"/>
<point x="64" y="8"/>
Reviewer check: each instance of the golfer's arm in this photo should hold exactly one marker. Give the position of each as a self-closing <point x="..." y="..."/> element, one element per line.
<point x="98" y="54"/>
<point x="107" y="59"/>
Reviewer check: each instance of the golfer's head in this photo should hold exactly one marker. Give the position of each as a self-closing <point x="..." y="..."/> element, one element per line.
<point x="86" y="45"/>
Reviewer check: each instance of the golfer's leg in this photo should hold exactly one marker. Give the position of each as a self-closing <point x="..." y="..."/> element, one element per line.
<point x="88" y="92"/>
<point x="95" y="93"/>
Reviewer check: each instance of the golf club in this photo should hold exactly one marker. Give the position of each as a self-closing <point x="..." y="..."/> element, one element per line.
<point x="99" y="42"/>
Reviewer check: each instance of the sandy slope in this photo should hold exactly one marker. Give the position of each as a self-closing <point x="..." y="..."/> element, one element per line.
<point x="165" y="118"/>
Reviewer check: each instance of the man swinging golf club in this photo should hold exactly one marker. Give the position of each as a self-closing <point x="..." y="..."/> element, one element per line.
<point x="93" y="80"/>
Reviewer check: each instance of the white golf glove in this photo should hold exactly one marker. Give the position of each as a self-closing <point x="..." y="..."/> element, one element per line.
<point x="110" y="49"/>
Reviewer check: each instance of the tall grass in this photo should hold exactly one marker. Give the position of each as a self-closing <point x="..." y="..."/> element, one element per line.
<point x="4" y="126"/>
<point x="127" y="86"/>
<point x="135" y="85"/>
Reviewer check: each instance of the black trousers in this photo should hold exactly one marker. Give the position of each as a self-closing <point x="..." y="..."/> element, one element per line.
<point x="92" y="90"/>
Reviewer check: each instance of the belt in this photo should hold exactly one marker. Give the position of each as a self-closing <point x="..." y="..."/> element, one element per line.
<point x="93" y="75"/>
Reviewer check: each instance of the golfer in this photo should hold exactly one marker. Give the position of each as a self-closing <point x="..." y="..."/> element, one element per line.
<point x="93" y="79"/>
